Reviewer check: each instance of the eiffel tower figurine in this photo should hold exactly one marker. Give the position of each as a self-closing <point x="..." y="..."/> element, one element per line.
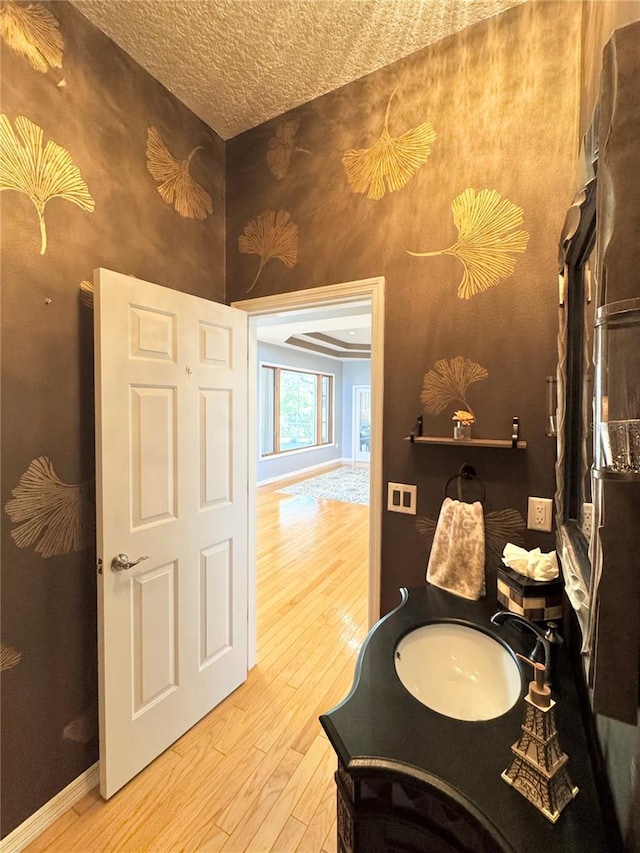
<point x="538" y="769"/>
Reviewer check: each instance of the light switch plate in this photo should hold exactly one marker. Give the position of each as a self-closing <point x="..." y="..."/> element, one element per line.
<point x="402" y="498"/>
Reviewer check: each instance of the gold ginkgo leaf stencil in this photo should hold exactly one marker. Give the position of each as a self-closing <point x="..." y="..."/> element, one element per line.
<point x="175" y="184"/>
<point x="52" y="516"/>
<point x="87" y="292"/>
<point x="270" y="235"/>
<point x="33" y="32"/>
<point x="487" y="235"/>
<point x="84" y="728"/>
<point x="391" y="162"/>
<point x="282" y="146"/>
<point x="42" y="174"/>
<point x="447" y="382"/>
<point x="9" y="657"/>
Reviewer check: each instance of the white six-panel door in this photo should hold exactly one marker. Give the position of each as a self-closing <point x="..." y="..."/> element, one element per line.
<point x="171" y="444"/>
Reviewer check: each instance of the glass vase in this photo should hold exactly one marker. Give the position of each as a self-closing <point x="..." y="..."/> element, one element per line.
<point x="462" y="431"/>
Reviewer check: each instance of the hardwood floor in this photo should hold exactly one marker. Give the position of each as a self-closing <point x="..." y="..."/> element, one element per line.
<point x="256" y="774"/>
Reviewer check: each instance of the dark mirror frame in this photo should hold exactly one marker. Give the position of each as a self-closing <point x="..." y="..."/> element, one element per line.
<point x="574" y="460"/>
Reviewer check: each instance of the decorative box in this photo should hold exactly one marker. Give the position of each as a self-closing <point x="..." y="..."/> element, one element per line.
<point x="537" y="600"/>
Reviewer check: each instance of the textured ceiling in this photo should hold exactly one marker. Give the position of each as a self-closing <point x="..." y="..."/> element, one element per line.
<point x="237" y="63"/>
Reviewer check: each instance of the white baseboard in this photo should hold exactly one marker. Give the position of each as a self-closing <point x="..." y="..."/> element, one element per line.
<point x="333" y="462"/>
<point x="47" y="814"/>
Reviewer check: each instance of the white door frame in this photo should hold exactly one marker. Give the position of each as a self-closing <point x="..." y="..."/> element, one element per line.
<point x="334" y="294"/>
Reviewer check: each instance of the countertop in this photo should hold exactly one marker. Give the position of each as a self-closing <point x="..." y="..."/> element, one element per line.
<point x="381" y="724"/>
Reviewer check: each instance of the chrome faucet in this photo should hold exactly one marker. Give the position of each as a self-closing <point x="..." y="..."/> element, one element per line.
<point x="547" y="640"/>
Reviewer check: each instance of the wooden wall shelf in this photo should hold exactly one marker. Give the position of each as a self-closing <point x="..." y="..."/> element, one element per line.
<point x="473" y="442"/>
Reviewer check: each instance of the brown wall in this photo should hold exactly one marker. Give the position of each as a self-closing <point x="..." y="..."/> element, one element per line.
<point x="505" y="120"/>
<point x="98" y="107"/>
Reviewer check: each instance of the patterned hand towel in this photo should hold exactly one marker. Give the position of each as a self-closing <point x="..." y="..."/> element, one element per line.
<point x="456" y="562"/>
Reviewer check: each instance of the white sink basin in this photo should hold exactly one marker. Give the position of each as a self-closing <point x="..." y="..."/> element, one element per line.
<point x="458" y="670"/>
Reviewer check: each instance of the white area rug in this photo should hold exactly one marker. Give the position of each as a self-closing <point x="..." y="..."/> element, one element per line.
<point x="350" y="485"/>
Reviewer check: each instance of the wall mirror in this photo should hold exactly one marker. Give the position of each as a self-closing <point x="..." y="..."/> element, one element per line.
<point x="578" y="300"/>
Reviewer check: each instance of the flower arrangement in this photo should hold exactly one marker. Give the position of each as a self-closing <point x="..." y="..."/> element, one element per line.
<point x="464" y="417"/>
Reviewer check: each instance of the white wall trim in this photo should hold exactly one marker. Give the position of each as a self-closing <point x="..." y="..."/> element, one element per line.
<point x="318" y="468"/>
<point x="366" y="289"/>
<point x="47" y="814"/>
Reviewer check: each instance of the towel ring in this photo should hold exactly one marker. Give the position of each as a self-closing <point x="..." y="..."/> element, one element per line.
<point x="467" y="472"/>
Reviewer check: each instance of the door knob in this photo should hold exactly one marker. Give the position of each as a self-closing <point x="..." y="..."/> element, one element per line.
<point x="122" y="562"/>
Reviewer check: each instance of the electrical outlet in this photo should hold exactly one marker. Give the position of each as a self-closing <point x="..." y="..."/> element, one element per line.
<point x="587" y="516"/>
<point x="540" y="514"/>
<point x="402" y="498"/>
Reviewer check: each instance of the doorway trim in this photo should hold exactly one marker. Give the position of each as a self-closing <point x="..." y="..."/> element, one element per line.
<point x="320" y="297"/>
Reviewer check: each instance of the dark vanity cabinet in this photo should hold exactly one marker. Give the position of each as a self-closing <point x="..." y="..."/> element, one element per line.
<point x="412" y="779"/>
<point x="381" y="810"/>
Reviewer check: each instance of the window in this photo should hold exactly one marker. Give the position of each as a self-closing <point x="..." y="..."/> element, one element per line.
<point x="296" y="408"/>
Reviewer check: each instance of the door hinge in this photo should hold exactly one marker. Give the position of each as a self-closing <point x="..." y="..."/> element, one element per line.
<point x="99" y="565"/>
